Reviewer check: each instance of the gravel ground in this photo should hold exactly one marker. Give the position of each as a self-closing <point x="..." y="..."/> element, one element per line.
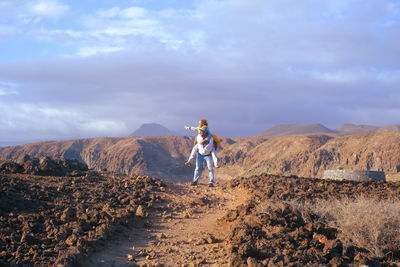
<point x="47" y="220"/>
<point x="268" y="231"/>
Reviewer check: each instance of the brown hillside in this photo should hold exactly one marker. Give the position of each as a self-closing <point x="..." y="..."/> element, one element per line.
<point x="163" y="157"/>
<point x="285" y="154"/>
<point x="391" y="127"/>
<point x="310" y="155"/>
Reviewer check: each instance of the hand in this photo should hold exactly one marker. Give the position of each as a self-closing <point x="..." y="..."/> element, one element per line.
<point x="203" y="141"/>
<point x="186" y="128"/>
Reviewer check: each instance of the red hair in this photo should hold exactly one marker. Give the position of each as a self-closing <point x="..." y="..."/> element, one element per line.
<point x="204" y="122"/>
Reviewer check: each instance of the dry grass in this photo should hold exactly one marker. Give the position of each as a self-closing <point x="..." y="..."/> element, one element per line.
<point x="363" y="222"/>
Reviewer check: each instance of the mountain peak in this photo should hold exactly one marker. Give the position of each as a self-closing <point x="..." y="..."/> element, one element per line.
<point x="349" y="129"/>
<point x="153" y="129"/>
<point x="294" y="129"/>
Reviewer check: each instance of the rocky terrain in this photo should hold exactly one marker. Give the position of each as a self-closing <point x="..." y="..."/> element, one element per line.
<point x="48" y="220"/>
<point x="269" y="230"/>
<point x="163" y="157"/>
<point x="253" y="222"/>
<point x="44" y="166"/>
<point x="92" y="202"/>
<point x="110" y="219"/>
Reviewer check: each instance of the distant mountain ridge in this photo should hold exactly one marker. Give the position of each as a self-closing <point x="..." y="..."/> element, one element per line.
<point x="161" y="156"/>
<point x="164" y="156"/>
<point x="349" y="129"/>
<point x="314" y="128"/>
<point x="153" y="129"/>
<point x="293" y="129"/>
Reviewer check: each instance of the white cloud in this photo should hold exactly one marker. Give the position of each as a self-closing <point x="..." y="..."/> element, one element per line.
<point x="258" y="63"/>
<point x="117" y="12"/>
<point x="356" y="76"/>
<point x="90" y="51"/>
<point x="8" y="89"/>
<point x="133" y="13"/>
<point x="123" y="31"/>
<point x="5" y="91"/>
<point x="103" y="126"/>
<point x="108" y="13"/>
<point x="109" y="30"/>
<point x="52" y="123"/>
<point x="7" y="30"/>
<point x="49" y="8"/>
<point x="350" y="76"/>
<point x="62" y="36"/>
<point x="27" y="115"/>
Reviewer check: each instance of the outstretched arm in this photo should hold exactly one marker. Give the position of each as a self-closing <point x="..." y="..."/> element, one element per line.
<point x="190" y="128"/>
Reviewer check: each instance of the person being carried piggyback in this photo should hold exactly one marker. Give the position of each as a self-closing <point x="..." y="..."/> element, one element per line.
<point x="204" y="154"/>
<point x="203" y="124"/>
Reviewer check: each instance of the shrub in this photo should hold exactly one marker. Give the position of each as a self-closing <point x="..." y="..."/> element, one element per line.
<point x="363" y="222"/>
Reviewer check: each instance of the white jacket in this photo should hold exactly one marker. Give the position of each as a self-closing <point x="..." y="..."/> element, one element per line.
<point x="207" y="147"/>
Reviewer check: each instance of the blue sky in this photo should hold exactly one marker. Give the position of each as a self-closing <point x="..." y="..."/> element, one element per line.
<point x="75" y="69"/>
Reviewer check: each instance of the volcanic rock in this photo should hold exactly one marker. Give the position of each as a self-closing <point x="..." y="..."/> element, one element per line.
<point x="50" y="220"/>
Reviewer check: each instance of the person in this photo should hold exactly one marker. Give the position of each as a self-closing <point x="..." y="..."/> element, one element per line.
<point x="199" y="140"/>
<point x="204" y="154"/>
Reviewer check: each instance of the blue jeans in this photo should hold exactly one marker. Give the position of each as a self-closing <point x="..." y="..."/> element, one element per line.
<point x="199" y="167"/>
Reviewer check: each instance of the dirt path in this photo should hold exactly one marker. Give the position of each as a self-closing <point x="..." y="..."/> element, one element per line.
<point x="187" y="234"/>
